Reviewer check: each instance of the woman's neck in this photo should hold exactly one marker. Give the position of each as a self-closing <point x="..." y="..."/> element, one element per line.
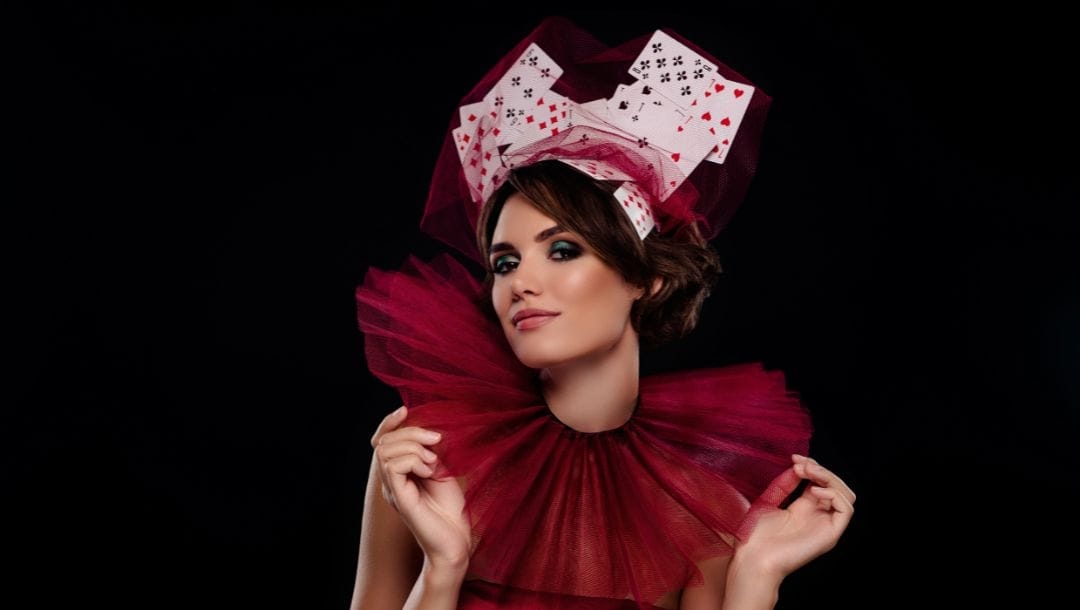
<point x="598" y="392"/>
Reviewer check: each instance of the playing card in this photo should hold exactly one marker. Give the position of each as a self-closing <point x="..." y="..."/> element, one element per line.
<point x="463" y="139"/>
<point x="548" y="116"/>
<point x="675" y="70"/>
<point x="511" y="102"/>
<point x="517" y="91"/>
<point x="533" y="69"/>
<point x="478" y="150"/>
<point x="593" y="114"/>
<point x="638" y="205"/>
<point x="478" y="118"/>
<point x="644" y="111"/>
<point x="470" y="114"/>
<point x="721" y="109"/>
<point x="629" y="101"/>
<point x="655" y="121"/>
<point x="536" y="59"/>
<point x="599" y="170"/>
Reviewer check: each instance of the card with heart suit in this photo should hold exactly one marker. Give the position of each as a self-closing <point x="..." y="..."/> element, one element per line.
<point x="658" y="122"/>
<point x="721" y="108"/>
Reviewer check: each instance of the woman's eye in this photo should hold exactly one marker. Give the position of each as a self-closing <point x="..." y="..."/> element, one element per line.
<point x="503" y="264"/>
<point x="564" y="250"/>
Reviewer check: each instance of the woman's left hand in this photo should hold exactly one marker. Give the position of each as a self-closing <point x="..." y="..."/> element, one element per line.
<point x="783" y="540"/>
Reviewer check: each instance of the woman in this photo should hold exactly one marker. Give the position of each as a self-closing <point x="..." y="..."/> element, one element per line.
<point x="537" y="469"/>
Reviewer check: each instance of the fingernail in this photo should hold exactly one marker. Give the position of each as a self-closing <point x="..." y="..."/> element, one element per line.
<point x="435" y="436"/>
<point x="400" y="410"/>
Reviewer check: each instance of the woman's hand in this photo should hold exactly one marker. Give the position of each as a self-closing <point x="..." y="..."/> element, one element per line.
<point x="431" y="507"/>
<point x="783" y="540"/>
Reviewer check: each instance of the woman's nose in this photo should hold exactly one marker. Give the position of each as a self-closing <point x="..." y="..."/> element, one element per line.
<point x="526" y="279"/>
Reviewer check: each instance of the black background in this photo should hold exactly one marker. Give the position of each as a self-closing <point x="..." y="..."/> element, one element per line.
<point x="193" y="195"/>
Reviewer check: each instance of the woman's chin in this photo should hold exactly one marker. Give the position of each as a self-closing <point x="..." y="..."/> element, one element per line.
<point x="542" y="359"/>
<point x="537" y="362"/>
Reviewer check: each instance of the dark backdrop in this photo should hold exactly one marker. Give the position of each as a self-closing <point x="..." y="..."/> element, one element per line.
<point x="192" y="197"/>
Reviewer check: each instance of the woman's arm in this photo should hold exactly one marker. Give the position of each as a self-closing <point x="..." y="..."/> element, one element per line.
<point x="750" y="587"/>
<point x="780" y="541"/>
<point x="390" y="560"/>
<point x="731" y="585"/>
<point x="412" y="526"/>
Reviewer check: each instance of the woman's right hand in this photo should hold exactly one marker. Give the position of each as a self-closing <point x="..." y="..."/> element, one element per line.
<point x="431" y="508"/>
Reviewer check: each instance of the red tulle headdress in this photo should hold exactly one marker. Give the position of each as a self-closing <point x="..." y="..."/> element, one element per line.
<point x="679" y="129"/>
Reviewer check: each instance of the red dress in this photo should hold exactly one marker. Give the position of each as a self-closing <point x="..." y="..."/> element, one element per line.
<point x="563" y="518"/>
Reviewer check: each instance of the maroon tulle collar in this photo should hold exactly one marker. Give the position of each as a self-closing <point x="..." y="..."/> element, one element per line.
<point x="621" y="513"/>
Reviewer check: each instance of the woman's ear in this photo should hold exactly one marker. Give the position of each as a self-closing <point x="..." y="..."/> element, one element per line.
<point x="657" y="284"/>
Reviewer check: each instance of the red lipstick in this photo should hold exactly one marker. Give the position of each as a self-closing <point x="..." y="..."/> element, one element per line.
<point x="531" y="318"/>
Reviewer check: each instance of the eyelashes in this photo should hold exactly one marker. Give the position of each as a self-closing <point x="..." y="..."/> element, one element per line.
<point x="560" y="251"/>
<point x="502" y="265"/>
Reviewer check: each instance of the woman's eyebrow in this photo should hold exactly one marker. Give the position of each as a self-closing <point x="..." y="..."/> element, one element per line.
<point x="541" y="236"/>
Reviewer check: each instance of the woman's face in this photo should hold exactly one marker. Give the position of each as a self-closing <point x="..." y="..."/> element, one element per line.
<point x="584" y="304"/>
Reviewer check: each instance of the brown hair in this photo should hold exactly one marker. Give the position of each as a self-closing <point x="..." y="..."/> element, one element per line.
<point x="683" y="259"/>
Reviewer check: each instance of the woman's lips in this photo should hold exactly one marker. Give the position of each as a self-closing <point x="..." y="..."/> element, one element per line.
<point x="534" y="321"/>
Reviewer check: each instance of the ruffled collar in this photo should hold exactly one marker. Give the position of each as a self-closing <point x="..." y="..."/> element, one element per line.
<point x="625" y="512"/>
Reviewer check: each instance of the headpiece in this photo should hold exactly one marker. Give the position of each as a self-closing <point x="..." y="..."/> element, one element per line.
<point x="656" y="114"/>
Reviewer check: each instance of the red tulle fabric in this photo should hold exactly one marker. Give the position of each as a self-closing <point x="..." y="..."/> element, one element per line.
<point x="563" y="518"/>
<point x="592" y="70"/>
